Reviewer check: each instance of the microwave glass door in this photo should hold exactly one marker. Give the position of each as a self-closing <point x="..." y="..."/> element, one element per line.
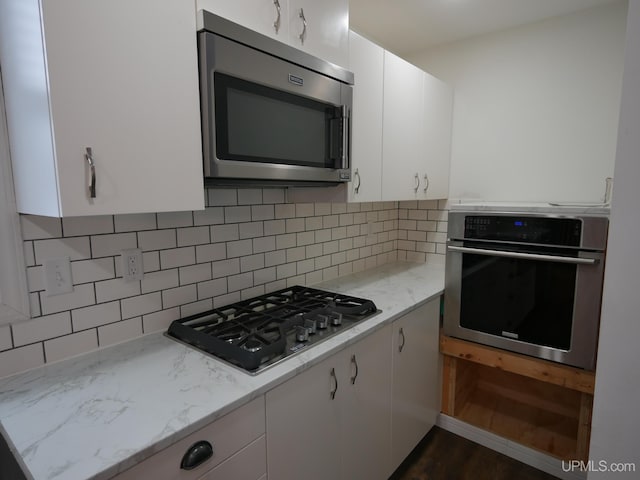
<point x="255" y="123"/>
<point x="527" y="300"/>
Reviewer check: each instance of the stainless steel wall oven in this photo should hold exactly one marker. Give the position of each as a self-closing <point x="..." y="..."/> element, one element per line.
<point x="528" y="283"/>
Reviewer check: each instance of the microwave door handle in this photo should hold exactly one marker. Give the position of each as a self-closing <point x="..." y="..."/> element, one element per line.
<point x="345" y="136"/>
<point x="524" y="256"/>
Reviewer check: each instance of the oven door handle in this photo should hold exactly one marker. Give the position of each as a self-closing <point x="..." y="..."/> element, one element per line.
<point x="525" y="256"/>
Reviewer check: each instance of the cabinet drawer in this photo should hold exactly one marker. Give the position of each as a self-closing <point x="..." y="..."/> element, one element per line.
<point x="227" y="435"/>
<point x="250" y="463"/>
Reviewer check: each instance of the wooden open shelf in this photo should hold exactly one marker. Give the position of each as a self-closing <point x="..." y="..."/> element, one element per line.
<point x="540" y="404"/>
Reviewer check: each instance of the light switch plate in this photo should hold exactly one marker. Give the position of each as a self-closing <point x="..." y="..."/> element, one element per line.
<point x="57" y="276"/>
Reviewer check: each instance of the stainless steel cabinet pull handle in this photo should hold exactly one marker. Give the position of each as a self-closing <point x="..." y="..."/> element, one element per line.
<point x="335" y="379"/>
<point x="276" y="23"/>
<point x="355" y="364"/>
<point x="303" y="35"/>
<point x="417" y="177"/>
<point x="426" y="182"/>
<point x="401" y="346"/>
<point x="92" y="167"/>
<point x="357" y="175"/>
<point x="524" y="256"/>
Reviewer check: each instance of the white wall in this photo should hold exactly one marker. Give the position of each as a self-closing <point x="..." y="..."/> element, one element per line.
<point x="536" y="107"/>
<point x="616" y="419"/>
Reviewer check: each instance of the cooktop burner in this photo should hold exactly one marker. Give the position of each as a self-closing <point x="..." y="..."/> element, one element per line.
<point x="256" y="333"/>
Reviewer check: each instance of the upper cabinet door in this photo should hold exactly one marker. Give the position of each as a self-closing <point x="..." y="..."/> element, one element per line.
<point x="269" y="17"/>
<point x="403" y="129"/>
<point x="438" y="113"/>
<point x="366" y="61"/>
<point x="326" y="34"/>
<point x="117" y="77"/>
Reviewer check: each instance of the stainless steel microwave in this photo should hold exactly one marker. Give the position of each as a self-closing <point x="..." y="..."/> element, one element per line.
<point x="271" y="114"/>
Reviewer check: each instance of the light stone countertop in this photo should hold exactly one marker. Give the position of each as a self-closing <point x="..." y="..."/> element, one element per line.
<point x="93" y="416"/>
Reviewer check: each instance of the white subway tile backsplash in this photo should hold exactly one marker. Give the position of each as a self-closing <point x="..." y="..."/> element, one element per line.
<point x="224" y="268"/>
<point x="175" y="219"/>
<point x="221" y="197"/>
<point x="177" y="257"/>
<point x="36" y="227"/>
<point x="262" y="212"/>
<point x="41" y="328"/>
<point x="140" y="305"/>
<point x="76" y="248"/>
<point x="71" y="345"/>
<point x="212" y="288"/>
<point x="159" y="321"/>
<point x="157" y="239"/>
<point x="240" y="282"/>
<point x="5" y="338"/>
<point x="193" y="236"/>
<point x="115" y="289"/>
<point x="265" y="245"/>
<point x="239" y="248"/>
<point x="160" y="280"/>
<point x="237" y="214"/>
<point x="86" y="271"/>
<point x="273" y="195"/>
<point x="195" y="273"/>
<point x="119" y="332"/>
<point x="249" y="196"/>
<point x="179" y="296"/>
<point x="225" y="233"/>
<point x="252" y="262"/>
<point x="209" y="216"/>
<point x="111" y="245"/>
<point x="135" y="222"/>
<point x="77" y="226"/>
<point x="81" y="296"/>
<point x="21" y="359"/>
<point x="285" y="210"/>
<point x="96" y="315"/>
<point x="251" y="230"/>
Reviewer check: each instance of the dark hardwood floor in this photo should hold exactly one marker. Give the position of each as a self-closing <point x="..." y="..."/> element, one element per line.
<point x="442" y="455"/>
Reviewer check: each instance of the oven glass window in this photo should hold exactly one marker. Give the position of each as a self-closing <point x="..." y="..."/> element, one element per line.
<point x="528" y="300"/>
<point x="255" y="123"/>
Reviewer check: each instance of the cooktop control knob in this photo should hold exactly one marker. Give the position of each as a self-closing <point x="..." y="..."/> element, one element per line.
<point x="336" y="319"/>
<point x="302" y="334"/>
<point x="322" y="322"/>
<point x="310" y="325"/>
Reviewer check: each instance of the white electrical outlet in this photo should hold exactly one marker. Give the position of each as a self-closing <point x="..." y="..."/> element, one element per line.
<point x="132" y="268"/>
<point x="57" y="276"/>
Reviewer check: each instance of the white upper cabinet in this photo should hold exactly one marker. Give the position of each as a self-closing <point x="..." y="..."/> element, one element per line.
<point x="366" y="61"/>
<point x="402" y="129"/>
<point x="117" y="77"/>
<point x="319" y="28"/>
<point x="438" y="116"/>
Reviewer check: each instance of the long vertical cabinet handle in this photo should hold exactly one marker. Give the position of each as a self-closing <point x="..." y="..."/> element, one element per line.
<point x="417" y="178"/>
<point x="335" y="379"/>
<point x="426" y="182"/>
<point x="356" y="189"/>
<point x="276" y="23"/>
<point x="401" y="346"/>
<point x="92" y="167"/>
<point x="303" y="34"/>
<point x="354" y="362"/>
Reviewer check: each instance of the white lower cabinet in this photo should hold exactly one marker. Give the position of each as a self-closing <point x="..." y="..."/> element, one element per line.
<point x="332" y="420"/>
<point x="239" y="451"/>
<point x="416" y="378"/>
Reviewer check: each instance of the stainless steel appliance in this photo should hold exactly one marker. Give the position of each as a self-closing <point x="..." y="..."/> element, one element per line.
<point x="271" y="114"/>
<point x="529" y="283"/>
<point x="257" y="333"/>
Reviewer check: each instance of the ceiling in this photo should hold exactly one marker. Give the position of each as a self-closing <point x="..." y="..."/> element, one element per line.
<point x="406" y="26"/>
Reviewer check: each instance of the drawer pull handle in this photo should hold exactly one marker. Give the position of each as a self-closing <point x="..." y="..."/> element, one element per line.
<point x="354" y="362"/>
<point x="197" y="454"/>
<point x="401" y="347"/>
<point x="335" y="379"/>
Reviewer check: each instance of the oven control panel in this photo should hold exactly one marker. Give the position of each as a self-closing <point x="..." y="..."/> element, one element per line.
<point x="524" y="229"/>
